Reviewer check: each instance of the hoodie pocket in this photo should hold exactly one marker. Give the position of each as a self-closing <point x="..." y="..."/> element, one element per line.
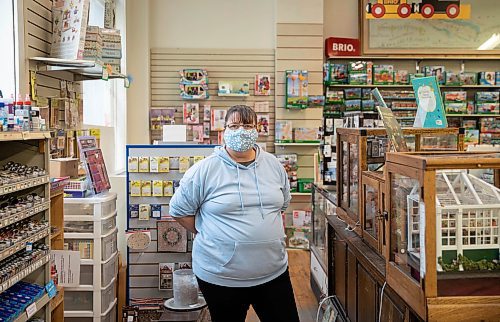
<point x="254" y="260"/>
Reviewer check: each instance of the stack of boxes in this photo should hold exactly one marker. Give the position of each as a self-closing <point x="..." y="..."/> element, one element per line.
<point x="112" y="48"/>
<point x="93" y="44"/>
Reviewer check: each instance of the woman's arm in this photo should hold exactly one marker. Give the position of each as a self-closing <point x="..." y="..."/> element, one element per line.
<point x="187" y="222"/>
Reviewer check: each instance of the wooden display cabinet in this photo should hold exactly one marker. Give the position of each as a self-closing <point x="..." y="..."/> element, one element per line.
<point x="362" y="149"/>
<point x="443" y="247"/>
<point x="372" y="210"/>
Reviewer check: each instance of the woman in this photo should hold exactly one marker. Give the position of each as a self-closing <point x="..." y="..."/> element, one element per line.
<point x="233" y="201"/>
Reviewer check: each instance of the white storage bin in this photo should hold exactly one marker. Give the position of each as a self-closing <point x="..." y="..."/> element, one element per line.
<point x="86" y="275"/>
<point x="108" y="245"/>
<point x="108" y="225"/>
<point x="78" y="300"/>
<point x="111" y="316"/>
<point x="108" y="296"/>
<point x="109" y="270"/>
<point x="104" y="203"/>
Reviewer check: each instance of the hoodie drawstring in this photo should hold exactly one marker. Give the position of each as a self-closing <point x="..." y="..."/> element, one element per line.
<point x="258" y="190"/>
<point x="239" y="190"/>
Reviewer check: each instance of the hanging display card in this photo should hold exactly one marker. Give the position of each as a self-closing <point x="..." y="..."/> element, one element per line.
<point x="430" y="111"/>
<point x="296" y="88"/>
<point x="172" y="237"/>
<point x="67" y="266"/>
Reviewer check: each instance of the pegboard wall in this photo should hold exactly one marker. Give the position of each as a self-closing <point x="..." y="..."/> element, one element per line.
<point x="221" y="65"/>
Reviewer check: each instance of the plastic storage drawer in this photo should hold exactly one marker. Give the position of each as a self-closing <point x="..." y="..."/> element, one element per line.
<point x="105" y="203"/>
<point x="111" y="316"/>
<point x="109" y="270"/>
<point x="84" y="246"/>
<point x="108" y="296"/>
<point x="79" y="227"/>
<point x="78" y="319"/>
<point x="108" y="225"/>
<point x="78" y="300"/>
<point x="108" y="245"/>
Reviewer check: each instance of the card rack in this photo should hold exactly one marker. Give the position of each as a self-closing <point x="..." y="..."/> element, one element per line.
<point x="143" y="269"/>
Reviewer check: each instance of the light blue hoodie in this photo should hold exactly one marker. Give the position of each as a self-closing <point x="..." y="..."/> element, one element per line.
<point x="240" y="240"/>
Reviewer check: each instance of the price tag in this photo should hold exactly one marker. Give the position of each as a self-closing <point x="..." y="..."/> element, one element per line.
<point x="51" y="289"/>
<point x="31" y="310"/>
<point x="105" y="73"/>
<point x="29" y="247"/>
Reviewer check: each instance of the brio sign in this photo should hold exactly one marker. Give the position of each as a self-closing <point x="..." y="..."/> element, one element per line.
<point x="335" y="46"/>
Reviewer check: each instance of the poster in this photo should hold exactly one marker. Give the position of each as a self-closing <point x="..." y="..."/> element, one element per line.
<point x="262" y="84"/>
<point x="191" y="113"/>
<point x="172" y="237"/>
<point x="67" y="264"/>
<point x="263" y="122"/>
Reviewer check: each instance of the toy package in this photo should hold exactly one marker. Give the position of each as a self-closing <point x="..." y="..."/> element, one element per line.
<point x="368" y="105"/>
<point x="430" y="111"/>
<point x="193" y="91"/>
<point x="471" y="137"/>
<point x="352" y="93"/>
<point x="497" y="78"/>
<point x="468" y="78"/>
<point x="262" y="84"/>
<point x="487" y="108"/>
<point x="191" y="113"/>
<point x="298" y="237"/>
<point x="492" y="97"/>
<point x="358" y="79"/>
<point x="487" y="78"/>
<point x="316" y="101"/>
<point x="383" y="74"/>
<point x="338" y="74"/>
<point x="326" y="73"/>
<point x="297" y="82"/>
<point x="490" y="124"/>
<point x="194" y="76"/>
<point x="334" y="97"/>
<point x="366" y="94"/>
<point x="489" y="138"/>
<point x="306" y="135"/>
<point x="452" y="79"/>
<point x="306" y="185"/>
<point x="415" y="75"/>
<point x="352" y="105"/>
<point x="290" y="163"/>
<point x="401" y="77"/>
<point x="456" y="97"/>
<point x="469" y="124"/>
<point x="471" y="107"/>
<point x="358" y="67"/>
<point x="301" y="218"/>
<point x="456" y="108"/>
<point x="284" y="133"/>
<point x="438" y="71"/>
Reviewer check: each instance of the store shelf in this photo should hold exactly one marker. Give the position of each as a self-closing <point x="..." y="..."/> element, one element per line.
<point x="17" y="217"/>
<point x="473" y="115"/>
<point x="297" y="144"/>
<point x="368" y="86"/>
<point x="22" y="274"/>
<point x="23" y="136"/>
<point x="21" y="245"/>
<point x="300" y="193"/>
<point x="54" y="236"/>
<point x="414" y="58"/>
<point x="21" y="185"/>
<point x="233" y="95"/>
<point x="58" y="299"/>
<point x="40" y="304"/>
<point x="81" y="69"/>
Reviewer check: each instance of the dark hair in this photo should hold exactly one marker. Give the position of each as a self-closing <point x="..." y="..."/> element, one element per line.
<point x="244" y="114"/>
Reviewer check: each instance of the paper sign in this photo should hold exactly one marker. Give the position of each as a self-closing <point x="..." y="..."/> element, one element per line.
<point x="29" y="247"/>
<point x="51" y="289"/>
<point x="174" y="133"/>
<point x="105" y="74"/>
<point x="68" y="267"/>
<point x="31" y="310"/>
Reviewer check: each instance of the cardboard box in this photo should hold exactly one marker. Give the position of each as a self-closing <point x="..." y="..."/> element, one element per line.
<point x="64" y="167"/>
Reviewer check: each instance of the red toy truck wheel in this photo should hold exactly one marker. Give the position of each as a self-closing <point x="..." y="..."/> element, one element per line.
<point x="427" y="10"/>
<point x="452" y="11"/>
<point x="404" y="10"/>
<point x="378" y="10"/>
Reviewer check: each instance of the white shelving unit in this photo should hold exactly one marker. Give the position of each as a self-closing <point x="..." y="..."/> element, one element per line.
<point x="92" y="223"/>
<point x="30" y="148"/>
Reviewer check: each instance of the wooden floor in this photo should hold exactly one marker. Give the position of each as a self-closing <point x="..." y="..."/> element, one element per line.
<point x="299" y="263"/>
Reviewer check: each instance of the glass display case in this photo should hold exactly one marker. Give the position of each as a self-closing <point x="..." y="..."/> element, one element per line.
<point x="372" y="215"/>
<point x="362" y="149"/>
<point x="323" y="206"/>
<point x="443" y="247"/>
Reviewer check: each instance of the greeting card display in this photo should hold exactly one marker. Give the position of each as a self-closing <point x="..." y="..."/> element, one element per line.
<point x="166" y="271"/>
<point x="194" y="84"/>
<point x="218" y="119"/>
<point x="234" y="88"/>
<point x="430" y="111"/>
<point x="172" y="237"/>
<point x="69" y="27"/>
<point x="161" y="116"/>
<point x="206" y="130"/>
<point x="262" y="84"/>
<point x="206" y="112"/>
<point x="191" y="113"/>
<point x="261" y="107"/>
<point x="296" y="88"/>
<point x="197" y="133"/>
<point x="263" y="122"/>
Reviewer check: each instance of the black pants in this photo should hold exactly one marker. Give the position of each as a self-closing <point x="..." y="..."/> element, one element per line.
<point x="272" y="301"/>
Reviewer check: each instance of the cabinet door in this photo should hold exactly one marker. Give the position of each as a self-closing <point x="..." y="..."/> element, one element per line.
<point x="352" y="276"/>
<point x="367" y="296"/>
<point x="390" y="311"/>
<point x="340" y="261"/>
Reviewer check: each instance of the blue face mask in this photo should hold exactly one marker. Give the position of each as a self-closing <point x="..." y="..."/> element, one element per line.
<point x="240" y="140"/>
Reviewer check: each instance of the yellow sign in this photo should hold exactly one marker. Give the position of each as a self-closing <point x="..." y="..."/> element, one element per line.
<point x="425" y="9"/>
